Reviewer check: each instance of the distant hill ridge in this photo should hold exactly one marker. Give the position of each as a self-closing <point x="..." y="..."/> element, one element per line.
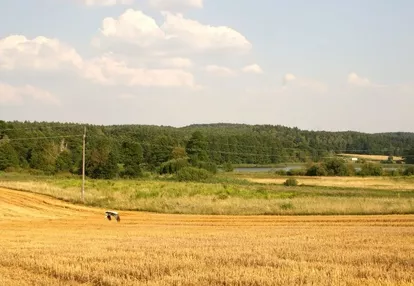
<point x="29" y="143"/>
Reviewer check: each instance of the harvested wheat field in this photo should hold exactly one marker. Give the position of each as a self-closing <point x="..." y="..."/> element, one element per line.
<point x="49" y="242"/>
<point x="371" y="157"/>
<point x="380" y="183"/>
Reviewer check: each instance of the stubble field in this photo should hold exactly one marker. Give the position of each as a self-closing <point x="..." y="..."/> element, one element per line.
<point x="50" y="242"/>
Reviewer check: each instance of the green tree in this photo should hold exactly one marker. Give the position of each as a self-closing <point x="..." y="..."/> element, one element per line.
<point x="101" y="161"/>
<point x="43" y="157"/>
<point x="196" y="148"/>
<point x="178" y="153"/>
<point x="64" y="161"/>
<point x="408" y="156"/>
<point x="132" y="158"/>
<point x="161" y="150"/>
<point x="8" y="156"/>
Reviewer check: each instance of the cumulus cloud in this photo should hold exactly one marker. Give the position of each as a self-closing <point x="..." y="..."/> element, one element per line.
<point x="288" y="77"/>
<point x="204" y="37"/>
<point x="11" y="95"/>
<point x="43" y="54"/>
<point x="355" y="79"/>
<point x="176" y="34"/>
<point x="307" y="83"/>
<point x="40" y="53"/>
<point x="177" y="62"/>
<point x="220" y="71"/>
<point x="133" y="27"/>
<point x="255" y="68"/>
<point x="106" y="70"/>
<point x="107" y="2"/>
<point x="172" y="5"/>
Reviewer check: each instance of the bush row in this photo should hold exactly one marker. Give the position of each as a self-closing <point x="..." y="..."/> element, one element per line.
<point x="338" y="167"/>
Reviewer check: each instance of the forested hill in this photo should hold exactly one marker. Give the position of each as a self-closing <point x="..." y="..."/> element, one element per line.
<point x="58" y="146"/>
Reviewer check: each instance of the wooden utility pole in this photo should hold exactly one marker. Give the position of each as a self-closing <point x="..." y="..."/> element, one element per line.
<point x="83" y="165"/>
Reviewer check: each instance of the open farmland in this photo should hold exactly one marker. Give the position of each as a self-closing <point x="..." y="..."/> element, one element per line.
<point x="379" y="183"/>
<point x="229" y="196"/>
<point x="371" y="157"/>
<point x="49" y="242"/>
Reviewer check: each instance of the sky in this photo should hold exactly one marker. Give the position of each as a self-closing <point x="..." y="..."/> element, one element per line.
<point x="317" y="65"/>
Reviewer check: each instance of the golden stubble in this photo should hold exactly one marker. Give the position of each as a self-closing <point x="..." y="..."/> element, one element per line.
<point x="380" y="183"/>
<point x="49" y="242"/>
<point x="371" y="157"/>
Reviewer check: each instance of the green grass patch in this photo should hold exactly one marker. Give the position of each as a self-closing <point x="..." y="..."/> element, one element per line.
<point x="218" y="195"/>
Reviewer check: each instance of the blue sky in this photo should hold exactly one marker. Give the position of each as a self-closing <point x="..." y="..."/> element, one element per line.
<point x="318" y="65"/>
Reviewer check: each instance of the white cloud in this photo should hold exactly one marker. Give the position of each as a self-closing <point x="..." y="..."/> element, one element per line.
<point x="220" y="71"/>
<point x="43" y="54"/>
<point x="134" y="27"/>
<point x="108" y="71"/>
<point x="15" y="95"/>
<point x="172" y="5"/>
<point x="178" y="63"/>
<point x="40" y="53"/>
<point x="307" y="83"/>
<point x="176" y="34"/>
<point x="204" y="37"/>
<point x="355" y="79"/>
<point x="107" y="2"/>
<point x="288" y="77"/>
<point x="255" y="68"/>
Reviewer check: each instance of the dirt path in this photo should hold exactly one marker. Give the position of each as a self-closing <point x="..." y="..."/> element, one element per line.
<point x="18" y="205"/>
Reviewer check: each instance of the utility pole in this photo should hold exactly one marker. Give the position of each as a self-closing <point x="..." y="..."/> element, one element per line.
<point x="83" y="165"/>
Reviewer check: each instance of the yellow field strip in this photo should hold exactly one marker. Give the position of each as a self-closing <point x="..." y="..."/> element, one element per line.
<point x="347" y="182"/>
<point x="371" y="157"/>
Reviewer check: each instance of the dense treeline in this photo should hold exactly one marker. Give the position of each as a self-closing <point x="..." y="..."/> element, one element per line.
<point x="127" y="150"/>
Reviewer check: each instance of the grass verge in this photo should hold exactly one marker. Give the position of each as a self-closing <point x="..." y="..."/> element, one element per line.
<point x="224" y="195"/>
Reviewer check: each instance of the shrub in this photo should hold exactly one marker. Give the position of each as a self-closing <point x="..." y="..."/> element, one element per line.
<point x="228" y="167"/>
<point x="132" y="171"/>
<point x="392" y="173"/>
<point x="371" y="169"/>
<point x="209" y="166"/>
<point x="193" y="174"/>
<point x="281" y="172"/>
<point x="291" y="182"/>
<point x="317" y="170"/>
<point x="409" y="171"/>
<point x="296" y="172"/>
<point x="338" y="167"/>
<point x="173" y="166"/>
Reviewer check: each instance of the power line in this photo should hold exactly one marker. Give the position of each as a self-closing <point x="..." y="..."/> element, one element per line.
<point x="38" y="128"/>
<point x="243" y="153"/>
<point x="257" y="154"/>
<point x="270" y="147"/>
<point x="236" y="146"/>
<point x="45" y="137"/>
